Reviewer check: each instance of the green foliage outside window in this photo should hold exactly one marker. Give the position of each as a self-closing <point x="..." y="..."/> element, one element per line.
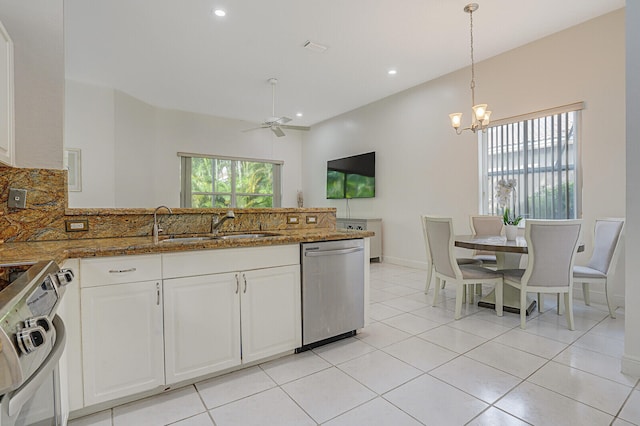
<point x="216" y="182"/>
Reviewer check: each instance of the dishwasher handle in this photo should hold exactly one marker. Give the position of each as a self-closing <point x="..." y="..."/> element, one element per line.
<point x="333" y="252"/>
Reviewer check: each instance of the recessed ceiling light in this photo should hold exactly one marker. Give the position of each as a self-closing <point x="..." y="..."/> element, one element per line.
<point x="219" y="12"/>
<point x="298" y="114"/>
<point x="392" y="72"/>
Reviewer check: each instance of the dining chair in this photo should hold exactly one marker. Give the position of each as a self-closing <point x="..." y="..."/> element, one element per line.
<point x="606" y="240"/>
<point x="552" y="247"/>
<point x="440" y="242"/>
<point x="459" y="260"/>
<point x="483" y="226"/>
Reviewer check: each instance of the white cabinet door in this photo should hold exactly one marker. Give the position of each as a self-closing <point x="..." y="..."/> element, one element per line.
<point x="271" y="317"/>
<point x="122" y="340"/>
<point x="202" y="325"/>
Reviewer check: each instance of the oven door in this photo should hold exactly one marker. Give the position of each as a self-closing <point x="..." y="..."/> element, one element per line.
<point x="37" y="401"/>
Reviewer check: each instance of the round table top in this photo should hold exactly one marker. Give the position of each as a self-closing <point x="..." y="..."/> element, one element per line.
<point x="495" y="243"/>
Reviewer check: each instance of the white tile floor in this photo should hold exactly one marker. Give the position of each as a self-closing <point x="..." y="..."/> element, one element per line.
<point x="415" y="365"/>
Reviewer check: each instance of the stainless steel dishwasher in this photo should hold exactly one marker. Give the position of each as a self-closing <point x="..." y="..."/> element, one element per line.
<point x="332" y="290"/>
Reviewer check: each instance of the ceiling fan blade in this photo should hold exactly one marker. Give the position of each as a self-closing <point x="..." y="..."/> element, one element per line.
<point x="283" y="120"/>
<point x="286" y="126"/>
<point x="278" y="131"/>
<point x="253" y="128"/>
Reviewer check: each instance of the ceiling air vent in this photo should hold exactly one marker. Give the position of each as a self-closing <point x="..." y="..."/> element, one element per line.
<point x="314" y="47"/>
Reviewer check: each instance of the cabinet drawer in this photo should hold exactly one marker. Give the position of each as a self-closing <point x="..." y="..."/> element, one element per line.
<point x="120" y="269"/>
<point x="228" y="260"/>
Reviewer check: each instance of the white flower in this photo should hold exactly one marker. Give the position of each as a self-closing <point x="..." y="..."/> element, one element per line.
<point x="504" y="190"/>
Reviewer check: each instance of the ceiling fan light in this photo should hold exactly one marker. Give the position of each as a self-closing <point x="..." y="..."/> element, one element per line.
<point x="456" y="119"/>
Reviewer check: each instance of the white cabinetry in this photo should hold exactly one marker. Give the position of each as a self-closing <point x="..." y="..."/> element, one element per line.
<point x="374" y="225"/>
<point x="148" y="321"/>
<point x="271" y="316"/>
<point x="201" y="324"/>
<point x="227" y="316"/>
<point x="122" y="336"/>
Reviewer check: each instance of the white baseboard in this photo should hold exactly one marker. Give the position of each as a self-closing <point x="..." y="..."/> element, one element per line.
<point x="631" y="365"/>
<point x="404" y="262"/>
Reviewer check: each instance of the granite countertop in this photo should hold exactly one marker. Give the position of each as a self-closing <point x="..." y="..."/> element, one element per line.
<point x="59" y="250"/>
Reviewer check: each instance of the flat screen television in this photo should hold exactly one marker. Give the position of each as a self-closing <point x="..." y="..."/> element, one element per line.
<point x="352" y="177"/>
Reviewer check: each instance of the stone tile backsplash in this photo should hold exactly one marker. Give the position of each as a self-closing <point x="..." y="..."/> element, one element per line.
<point x="46" y="214"/>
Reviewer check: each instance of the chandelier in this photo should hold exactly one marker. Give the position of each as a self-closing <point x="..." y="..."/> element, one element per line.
<point x="480" y="116"/>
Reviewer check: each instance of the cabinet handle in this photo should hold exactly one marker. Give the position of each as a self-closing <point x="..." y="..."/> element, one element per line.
<point x="237" y="283"/>
<point x="244" y="277"/>
<point x="158" y="294"/>
<point x="121" y="271"/>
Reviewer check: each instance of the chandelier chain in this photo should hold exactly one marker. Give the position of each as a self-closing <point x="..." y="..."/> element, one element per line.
<point x="473" y="70"/>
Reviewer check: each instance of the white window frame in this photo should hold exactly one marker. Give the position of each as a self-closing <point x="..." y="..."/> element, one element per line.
<point x="483" y="159"/>
<point x="185" y="178"/>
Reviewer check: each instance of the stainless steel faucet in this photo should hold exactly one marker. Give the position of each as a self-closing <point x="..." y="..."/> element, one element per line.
<point x="156" y="229"/>
<point x="216" y="222"/>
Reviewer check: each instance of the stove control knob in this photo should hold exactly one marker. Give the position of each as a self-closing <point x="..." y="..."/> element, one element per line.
<point x="65" y="276"/>
<point x="30" y="338"/>
<point x="49" y="284"/>
<point x="43" y="322"/>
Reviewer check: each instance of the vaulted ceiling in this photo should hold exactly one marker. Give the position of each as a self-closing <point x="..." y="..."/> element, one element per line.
<point x="179" y="55"/>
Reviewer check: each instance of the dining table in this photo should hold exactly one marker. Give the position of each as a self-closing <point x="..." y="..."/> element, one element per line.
<point x="508" y="256"/>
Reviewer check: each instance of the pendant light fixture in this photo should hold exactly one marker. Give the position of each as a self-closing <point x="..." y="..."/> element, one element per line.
<point x="480" y="116"/>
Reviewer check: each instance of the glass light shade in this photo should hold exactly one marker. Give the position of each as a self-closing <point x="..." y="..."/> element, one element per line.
<point x="479" y="110"/>
<point x="456" y="119"/>
<point x="487" y="118"/>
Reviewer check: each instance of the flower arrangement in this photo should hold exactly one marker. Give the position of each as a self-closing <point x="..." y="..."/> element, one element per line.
<point x="504" y="189"/>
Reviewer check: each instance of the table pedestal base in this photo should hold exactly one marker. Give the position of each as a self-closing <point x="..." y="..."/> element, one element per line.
<point x="511" y="301"/>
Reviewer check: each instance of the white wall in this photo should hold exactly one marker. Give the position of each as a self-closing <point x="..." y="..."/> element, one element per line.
<point x="35" y="26"/>
<point x="423" y="167"/>
<point x="631" y="359"/>
<point x="91" y="128"/>
<point x="129" y="148"/>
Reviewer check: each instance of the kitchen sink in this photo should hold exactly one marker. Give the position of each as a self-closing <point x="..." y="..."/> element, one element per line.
<point x="177" y="239"/>
<point x="189" y="239"/>
<point x="243" y="236"/>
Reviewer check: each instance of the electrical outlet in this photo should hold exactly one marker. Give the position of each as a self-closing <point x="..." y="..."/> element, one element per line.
<point x="17" y="198"/>
<point x="293" y="220"/>
<point x="312" y="219"/>
<point x="76" y="225"/>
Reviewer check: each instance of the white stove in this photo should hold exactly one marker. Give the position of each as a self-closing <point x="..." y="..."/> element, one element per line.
<point x="31" y="342"/>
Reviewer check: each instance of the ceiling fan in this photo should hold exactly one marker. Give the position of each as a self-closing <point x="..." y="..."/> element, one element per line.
<point x="274" y="123"/>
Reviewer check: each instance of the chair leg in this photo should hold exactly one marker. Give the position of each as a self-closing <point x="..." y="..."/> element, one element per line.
<point x="479" y="289"/>
<point x="499" y="298"/>
<point x="540" y="301"/>
<point x="523" y="309"/>
<point x="558" y="304"/>
<point x="568" y="308"/>
<point x="443" y="283"/>
<point x="585" y="293"/>
<point x="606" y="293"/>
<point x="436" y="290"/>
<point x="429" y="276"/>
<point x="460" y="291"/>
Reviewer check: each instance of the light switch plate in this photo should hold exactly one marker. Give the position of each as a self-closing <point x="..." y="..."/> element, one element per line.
<point x="17" y="198"/>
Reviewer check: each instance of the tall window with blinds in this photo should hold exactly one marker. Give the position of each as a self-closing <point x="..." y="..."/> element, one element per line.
<point x="540" y="152"/>
<point x="209" y="181"/>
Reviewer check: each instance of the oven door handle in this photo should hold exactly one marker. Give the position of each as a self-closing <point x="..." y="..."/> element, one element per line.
<point x="19" y="397"/>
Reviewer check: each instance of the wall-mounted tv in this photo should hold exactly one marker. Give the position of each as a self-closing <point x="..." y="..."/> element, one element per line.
<point x="352" y="177"/>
